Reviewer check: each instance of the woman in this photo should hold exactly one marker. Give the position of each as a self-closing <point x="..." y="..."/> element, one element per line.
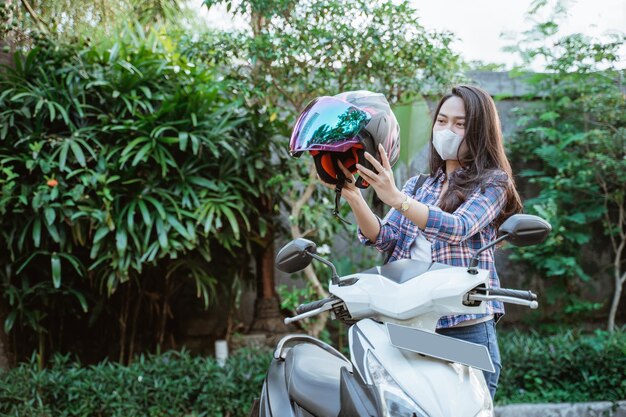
<point x="457" y="210"/>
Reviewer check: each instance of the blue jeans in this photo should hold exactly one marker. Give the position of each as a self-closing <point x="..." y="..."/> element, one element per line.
<point x="482" y="334"/>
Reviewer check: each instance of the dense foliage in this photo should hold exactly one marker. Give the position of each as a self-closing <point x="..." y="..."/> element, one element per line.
<point x="572" y="145"/>
<point x="120" y="162"/>
<point x="173" y="384"/>
<point x="563" y="368"/>
<point x="294" y="51"/>
<point x="67" y="18"/>
<point x="134" y="165"/>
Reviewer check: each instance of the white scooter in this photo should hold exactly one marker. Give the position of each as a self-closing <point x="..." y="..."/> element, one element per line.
<point x="398" y="365"/>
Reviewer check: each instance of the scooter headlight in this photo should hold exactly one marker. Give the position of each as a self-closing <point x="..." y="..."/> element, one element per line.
<point x="395" y="402"/>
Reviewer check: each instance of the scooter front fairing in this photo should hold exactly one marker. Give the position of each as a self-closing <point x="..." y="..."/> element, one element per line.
<point x="409" y="381"/>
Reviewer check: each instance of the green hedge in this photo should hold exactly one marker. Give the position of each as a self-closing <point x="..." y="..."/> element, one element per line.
<point x="558" y="368"/>
<point x="172" y="384"/>
<point x="567" y="367"/>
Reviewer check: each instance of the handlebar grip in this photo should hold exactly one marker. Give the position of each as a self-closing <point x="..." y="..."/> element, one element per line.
<point x="524" y="295"/>
<point x="303" y="308"/>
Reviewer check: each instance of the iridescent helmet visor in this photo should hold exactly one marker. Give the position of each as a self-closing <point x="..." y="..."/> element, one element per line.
<point x="328" y="124"/>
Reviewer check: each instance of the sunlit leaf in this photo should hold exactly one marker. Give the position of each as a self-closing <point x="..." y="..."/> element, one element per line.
<point x="56" y="270"/>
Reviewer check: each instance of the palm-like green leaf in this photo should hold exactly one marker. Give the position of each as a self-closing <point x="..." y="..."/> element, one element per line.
<point x="113" y="161"/>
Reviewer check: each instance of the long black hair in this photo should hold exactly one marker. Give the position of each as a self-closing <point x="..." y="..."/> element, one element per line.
<point x="485" y="159"/>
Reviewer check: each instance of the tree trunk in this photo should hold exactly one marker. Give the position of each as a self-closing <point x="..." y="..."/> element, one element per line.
<point x="619" y="274"/>
<point x="267" y="315"/>
<point x="319" y="323"/>
<point x="616" y="298"/>
<point x="6" y="57"/>
<point x="619" y="279"/>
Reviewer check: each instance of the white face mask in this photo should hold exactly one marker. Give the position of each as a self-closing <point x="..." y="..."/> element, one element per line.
<point x="447" y="143"/>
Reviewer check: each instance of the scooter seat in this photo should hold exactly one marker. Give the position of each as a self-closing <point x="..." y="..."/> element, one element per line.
<point x="313" y="376"/>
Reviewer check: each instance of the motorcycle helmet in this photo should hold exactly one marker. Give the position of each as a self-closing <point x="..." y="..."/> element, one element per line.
<point x="342" y="128"/>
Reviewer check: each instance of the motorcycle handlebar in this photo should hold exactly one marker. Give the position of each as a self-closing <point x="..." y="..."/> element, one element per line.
<point x="304" y="308"/>
<point x="505" y="292"/>
<point x="502" y="294"/>
<point x="505" y="295"/>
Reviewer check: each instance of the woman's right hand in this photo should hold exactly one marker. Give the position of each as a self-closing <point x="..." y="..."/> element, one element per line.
<point x="349" y="191"/>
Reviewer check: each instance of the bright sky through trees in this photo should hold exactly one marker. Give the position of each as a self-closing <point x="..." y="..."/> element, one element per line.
<point x="484" y="27"/>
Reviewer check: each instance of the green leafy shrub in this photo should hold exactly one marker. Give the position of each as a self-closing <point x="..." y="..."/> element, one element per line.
<point x="172" y="384"/>
<point x="124" y="176"/>
<point x="567" y="367"/>
<point x="572" y="144"/>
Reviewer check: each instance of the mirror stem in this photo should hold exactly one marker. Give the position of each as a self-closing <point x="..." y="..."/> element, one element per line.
<point x="335" y="278"/>
<point x="473" y="266"/>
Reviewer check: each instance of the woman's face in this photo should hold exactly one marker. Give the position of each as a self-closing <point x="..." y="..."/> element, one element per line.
<point x="451" y="116"/>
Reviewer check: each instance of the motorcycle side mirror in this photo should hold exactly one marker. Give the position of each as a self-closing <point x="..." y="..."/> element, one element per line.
<point x="524" y="230"/>
<point x="295" y="255"/>
<point x="520" y="230"/>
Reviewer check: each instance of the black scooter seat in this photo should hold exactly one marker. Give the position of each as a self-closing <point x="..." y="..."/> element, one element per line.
<point x="313" y="376"/>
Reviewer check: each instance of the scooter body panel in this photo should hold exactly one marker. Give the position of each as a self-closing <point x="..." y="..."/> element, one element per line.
<point x="418" y="302"/>
<point x="398" y="364"/>
<point x="440" y="388"/>
<point x="303" y="380"/>
<point x="357" y="398"/>
<point x="274" y="397"/>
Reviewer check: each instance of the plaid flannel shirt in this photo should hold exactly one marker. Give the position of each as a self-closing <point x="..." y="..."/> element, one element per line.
<point x="455" y="237"/>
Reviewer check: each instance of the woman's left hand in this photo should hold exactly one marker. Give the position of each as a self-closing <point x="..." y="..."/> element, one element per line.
<point x="383" y="182"/>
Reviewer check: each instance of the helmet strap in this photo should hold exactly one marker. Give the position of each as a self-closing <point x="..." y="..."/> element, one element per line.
<point x="340" y="183"/>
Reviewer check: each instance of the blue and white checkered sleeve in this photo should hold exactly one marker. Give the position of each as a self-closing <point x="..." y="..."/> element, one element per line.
<point x="472" y="216"/>
<point x="389" y="226"/>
